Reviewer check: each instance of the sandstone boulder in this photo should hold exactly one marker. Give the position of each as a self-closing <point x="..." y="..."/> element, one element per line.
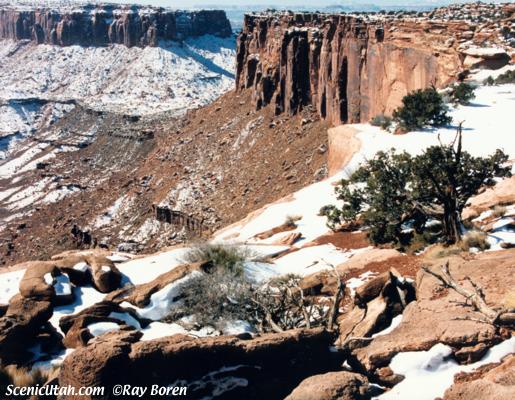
<point x="140" y="295"/>
<point x="432" y="318"/>
<point x="496" y="384"/>
<point x="75" y="327"/>
<point x="340" y="385"/>
<point x="20" y="325"/>
<point x="275" y="363"/>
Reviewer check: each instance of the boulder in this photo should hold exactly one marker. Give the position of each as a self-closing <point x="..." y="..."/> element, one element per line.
<point x="340" y="385"/>
<point x="19" y="326"/>
<point x="497" y="383"/>
<point x="75" y="327"/>
<point x="273" y="364"/>
<point x="140" y="295"/>
<point x="432" y="318"/>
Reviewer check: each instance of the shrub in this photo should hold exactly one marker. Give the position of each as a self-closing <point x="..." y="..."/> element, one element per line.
<point x="462" y="93"/>
<point x="475" y="239"/>
<point x="422" y="108"/>
<point x="489" y="81"/>
<point x="21" y="377"/>
<point x="382" y="121"/>
<point x="226" y="257"/>
<point x="507" y="77"/>
<point x="291" y="220"/>
<point x="215" y="297"/>
<point x="499" y="211"/>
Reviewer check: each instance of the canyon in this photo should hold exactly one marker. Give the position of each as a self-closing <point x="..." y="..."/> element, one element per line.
<point x="132" y="136"/>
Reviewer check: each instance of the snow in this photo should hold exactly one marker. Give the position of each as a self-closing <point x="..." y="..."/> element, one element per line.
<point x="156" y="330"/>
<point x="143" y="270"/>
<point x="48" y="278"/>
<point x="117" y="258"/>
<point x="354" y="283"/>
<point x="81" y="266"/>
<point x="237" y="328"/>
<point x="162" y="302"/>
<point x="395" y="323"/>
<point x="171" y="76"/>
<point x="9" y="285"/>
<point x="84" y="297"/>
<point x="99" y="328"/>
<point x="434" y="370"/>
<point x="62" y="285"/>
<point x="312" y="259"/>
<point x="502" y="232"/>
<point x="127" y="318"/>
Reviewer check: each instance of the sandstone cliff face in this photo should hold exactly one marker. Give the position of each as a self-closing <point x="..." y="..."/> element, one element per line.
<point x="102" y="25"/>
<point x="348" y="68"/>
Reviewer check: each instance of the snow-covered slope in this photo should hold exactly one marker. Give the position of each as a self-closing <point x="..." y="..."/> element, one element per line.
<point x="173" y="76"/>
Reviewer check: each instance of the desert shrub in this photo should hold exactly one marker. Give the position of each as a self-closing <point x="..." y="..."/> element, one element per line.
<point x="475" y="239"/>
<point x="21" y="377"/>
<point x="382" y="121"/>
<point x="219" y="296"/>
<point x="507" y="77"/>
<point x="226" y="257"/>
<point x="489" y="81"/>
<point x="462" y="93"/>
<point x="291" y="220"/>
<point x="215" y="297"/>
<point x="422" y="108"/>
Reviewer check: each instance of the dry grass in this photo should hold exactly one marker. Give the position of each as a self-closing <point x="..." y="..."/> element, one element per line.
<point x="441" y="251"/>
<point x="499" y="211"/>
<point x="475" y="239"/>
<point x="22" y="377"/>
<point x="291" y="220"/>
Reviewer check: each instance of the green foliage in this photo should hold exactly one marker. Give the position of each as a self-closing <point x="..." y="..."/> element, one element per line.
<point x="489" y="81"/>
<point x="383" y="121"/>
<point x="395" y="194"/>
<point x="462" y="93"/>
<point x="507" y="77"/>
<point x="226" y="257"/>
<point x="422" y="108"/>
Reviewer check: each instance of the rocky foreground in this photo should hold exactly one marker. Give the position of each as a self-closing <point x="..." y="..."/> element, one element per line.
<point x="387" y="317"/>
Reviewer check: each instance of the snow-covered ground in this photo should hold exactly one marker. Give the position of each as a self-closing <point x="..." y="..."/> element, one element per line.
<point x="429" y="373"/>
<point x="173" y="76"/>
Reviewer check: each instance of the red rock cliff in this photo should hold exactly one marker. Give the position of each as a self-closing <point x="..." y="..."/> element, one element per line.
<point x="349" y="68"/>
<point x="102" y="25"/>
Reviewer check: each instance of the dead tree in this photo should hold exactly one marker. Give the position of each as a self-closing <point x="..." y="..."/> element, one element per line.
<point x="475" y="298"/>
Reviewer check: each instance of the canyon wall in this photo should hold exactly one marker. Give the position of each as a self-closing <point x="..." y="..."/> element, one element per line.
<point x="349" y="68"/>
<point x="103" y="25"/>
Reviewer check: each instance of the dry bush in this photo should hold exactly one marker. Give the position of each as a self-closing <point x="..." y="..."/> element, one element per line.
<point x="475" y="239"/>
<point x="21" y="377"/>
<point x="499" y="211"/>
<point x="228" y="257"/>
<point x="291" y="220"/>
<point x="442" y="251"/>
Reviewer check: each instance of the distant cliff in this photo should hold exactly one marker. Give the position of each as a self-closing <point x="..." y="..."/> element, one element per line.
<point x="350" y="68"/>
<point x="93" y="25"/>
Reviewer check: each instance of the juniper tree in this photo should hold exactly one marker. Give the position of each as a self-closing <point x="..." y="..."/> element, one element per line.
<point x="396" y="190"/>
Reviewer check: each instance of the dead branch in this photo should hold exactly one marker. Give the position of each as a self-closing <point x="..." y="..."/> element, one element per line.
<point x="476" y="297"/>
